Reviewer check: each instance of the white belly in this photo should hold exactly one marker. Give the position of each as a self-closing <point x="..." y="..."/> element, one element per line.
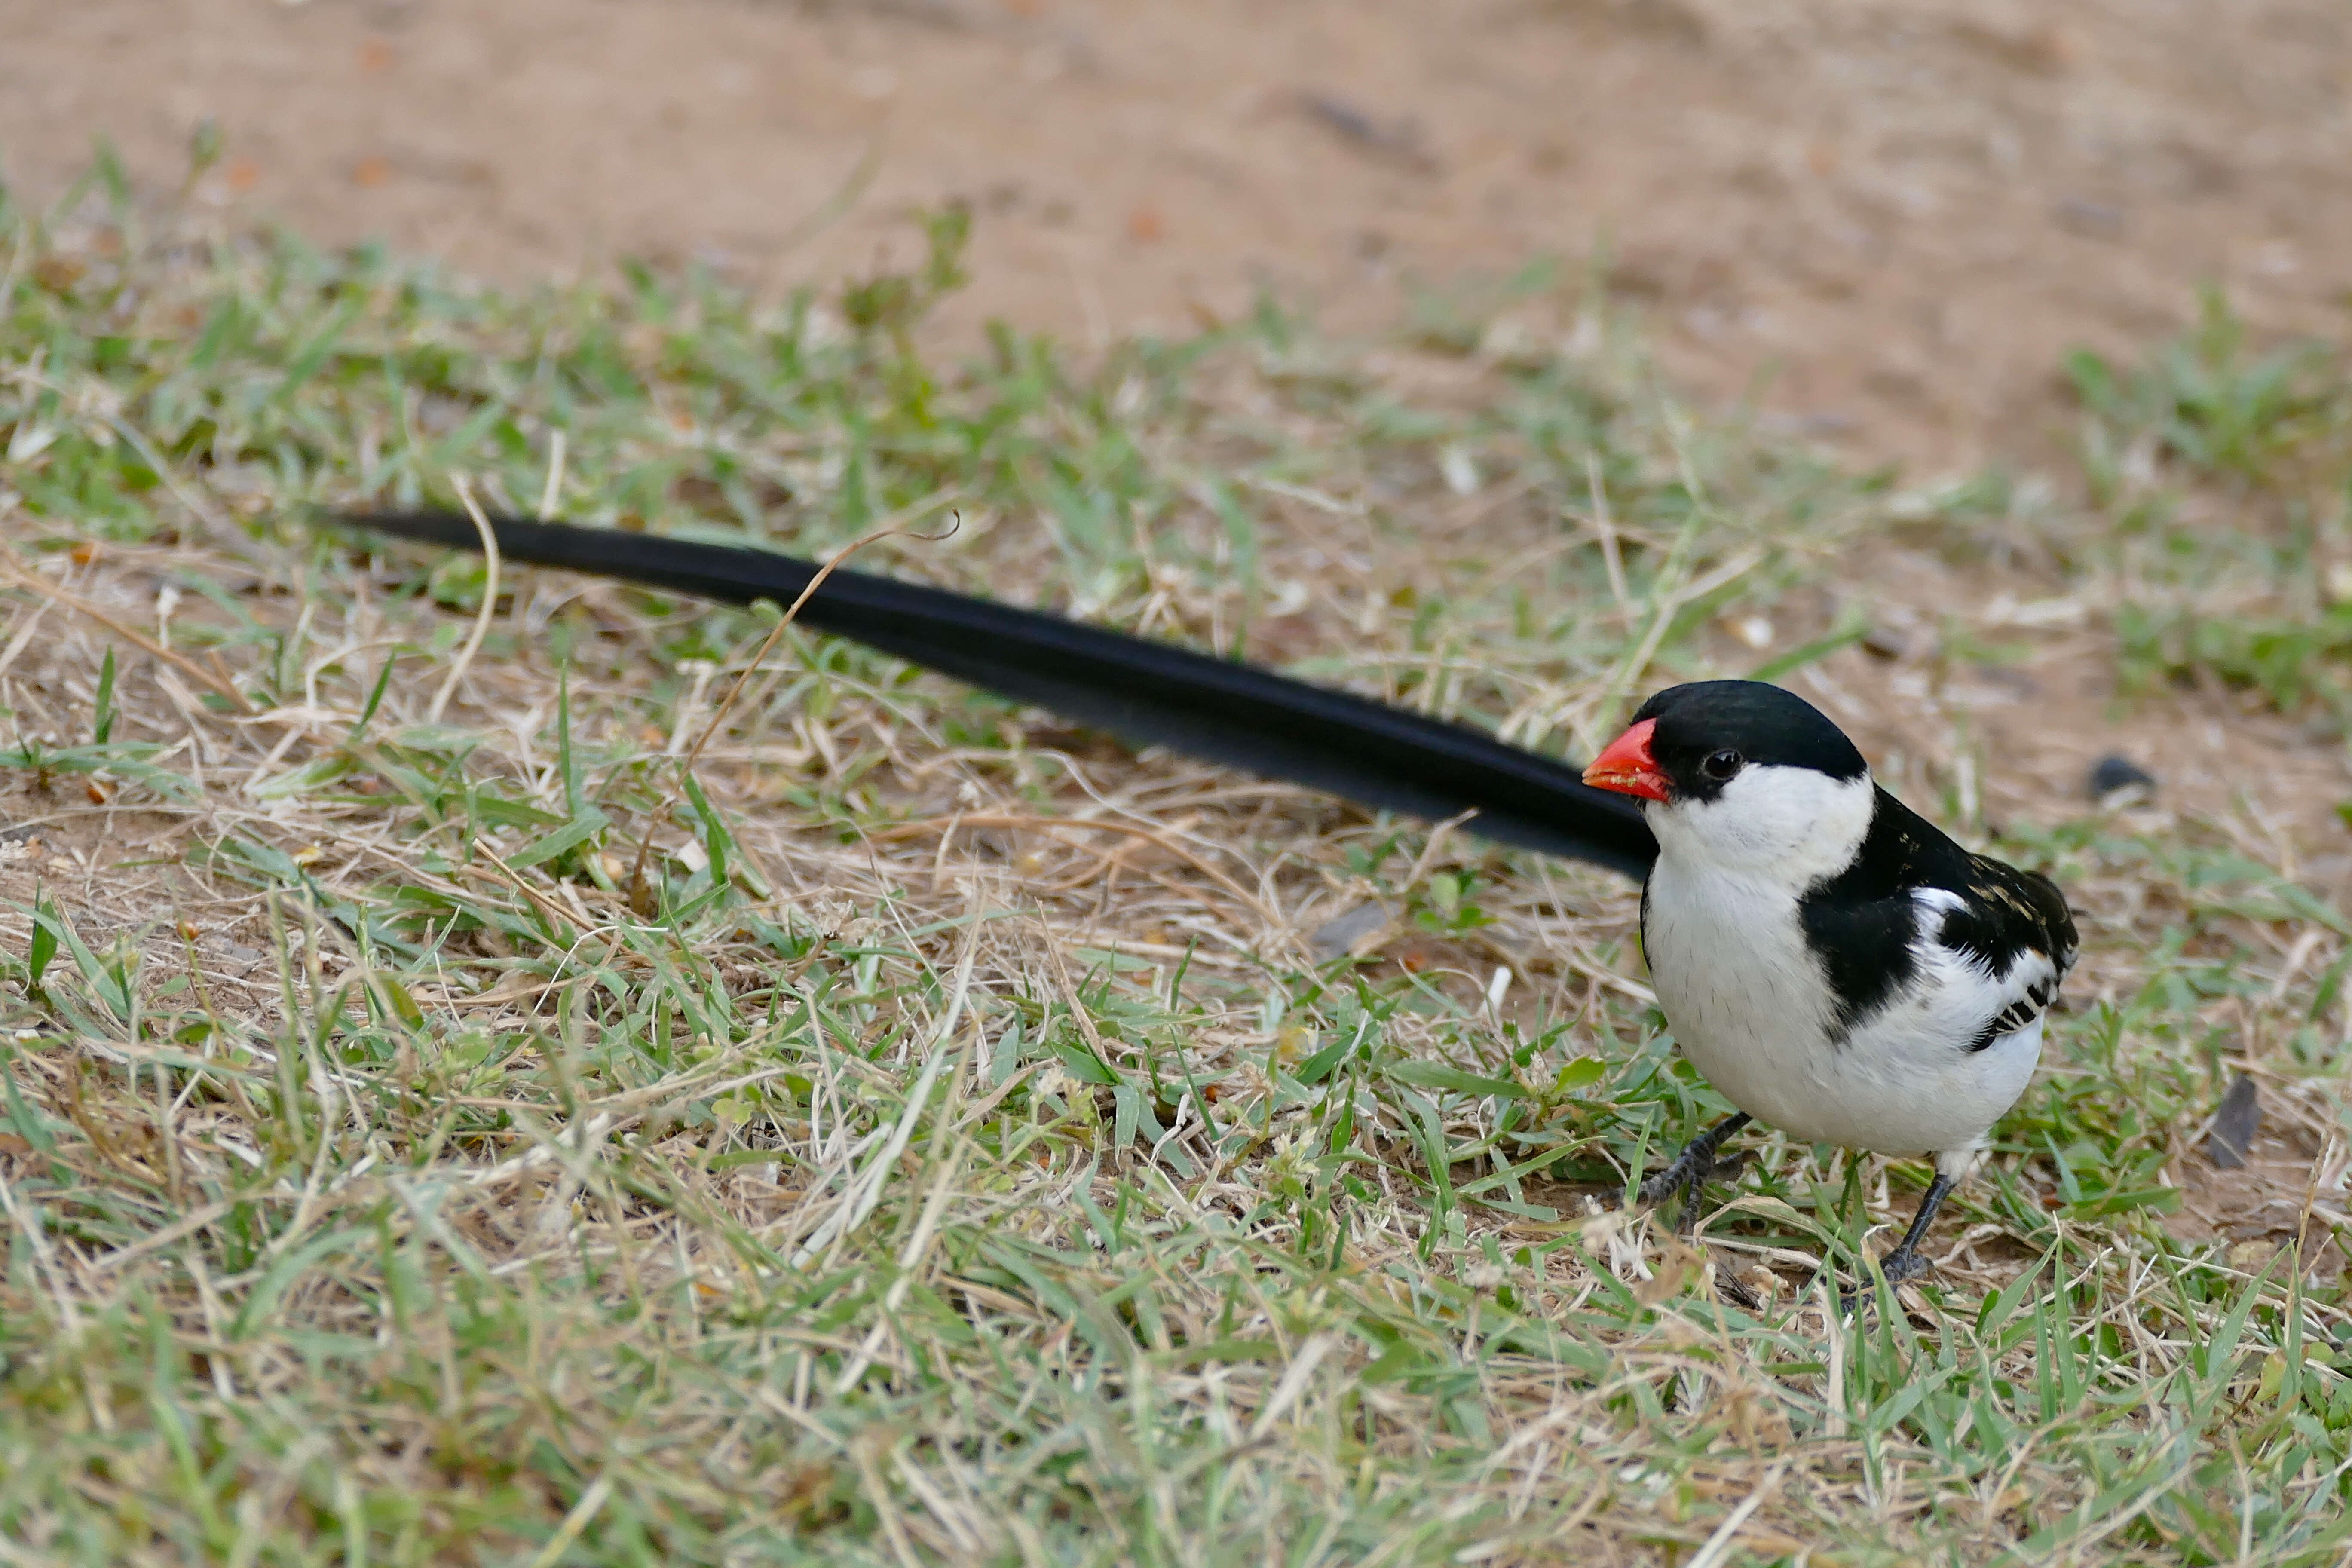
<point x="1751" y="1011"/>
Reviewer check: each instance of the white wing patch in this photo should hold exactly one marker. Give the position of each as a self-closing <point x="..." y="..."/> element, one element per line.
<point x="2005" y="1000"/>
<point x="1937" y="900"/>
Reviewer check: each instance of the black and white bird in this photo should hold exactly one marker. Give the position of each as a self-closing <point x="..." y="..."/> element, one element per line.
<point x="1835" y="965"/>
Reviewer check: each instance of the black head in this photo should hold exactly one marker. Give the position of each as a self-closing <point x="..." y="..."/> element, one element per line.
<point x="1703" y="733"/>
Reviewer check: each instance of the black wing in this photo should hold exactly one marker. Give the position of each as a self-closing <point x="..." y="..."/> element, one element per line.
<point x="2007" y="917"/>
<point x="1866" y="923"/>
<point x="1148" y="693"/>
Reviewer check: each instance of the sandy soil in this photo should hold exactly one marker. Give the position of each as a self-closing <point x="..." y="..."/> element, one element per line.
<point x="1890" y="219"/>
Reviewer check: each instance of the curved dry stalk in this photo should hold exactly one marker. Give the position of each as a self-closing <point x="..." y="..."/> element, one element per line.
<point x="489" y="602"/>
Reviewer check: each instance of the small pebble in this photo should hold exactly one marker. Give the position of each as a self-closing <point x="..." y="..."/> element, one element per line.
<point x="2116" y="780"/>
<point x="2096" y="219"/>
<point x="1343" y="933"/>
<point x="2235" y="1124"/>
<point x="1399" y="140"/>
<point x="1886" y="642"/>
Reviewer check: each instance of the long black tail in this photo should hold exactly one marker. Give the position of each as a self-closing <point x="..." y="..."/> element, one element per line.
<point x="1148" y="693"/>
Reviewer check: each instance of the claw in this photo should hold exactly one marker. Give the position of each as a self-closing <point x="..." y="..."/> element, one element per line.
<point x="1688" y="1182"/>
<point x="1905" y="1262"/>
<point x="1697" y="1166"/>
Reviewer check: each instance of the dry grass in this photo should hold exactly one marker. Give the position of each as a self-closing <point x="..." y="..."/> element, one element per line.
<point x="954" y="1147"/>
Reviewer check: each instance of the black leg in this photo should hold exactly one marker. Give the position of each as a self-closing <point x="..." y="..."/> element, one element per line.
<point x="1695" y="1167"/>
<point x="1905" y="1262"/>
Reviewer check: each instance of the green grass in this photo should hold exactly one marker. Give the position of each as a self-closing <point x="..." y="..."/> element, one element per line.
<point x="459" y="1132"/>
<point x="2224" y="475"/>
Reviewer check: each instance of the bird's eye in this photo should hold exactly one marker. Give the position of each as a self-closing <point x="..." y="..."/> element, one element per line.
<point x="1720" y="765"/>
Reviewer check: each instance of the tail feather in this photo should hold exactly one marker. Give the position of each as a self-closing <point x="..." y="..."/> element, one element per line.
<point x="1148" y="693"/>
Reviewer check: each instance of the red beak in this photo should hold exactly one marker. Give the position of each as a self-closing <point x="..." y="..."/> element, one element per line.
<point x="1626" y="765"/>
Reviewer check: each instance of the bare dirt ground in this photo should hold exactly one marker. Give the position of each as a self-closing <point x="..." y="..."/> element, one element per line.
<point x="1887" y="220"/>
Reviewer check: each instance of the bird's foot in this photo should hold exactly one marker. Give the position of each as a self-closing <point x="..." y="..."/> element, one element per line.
<point x="1697" y="1164"/>
<point x="1692" y="1169"/>
<point x="1904" y="1263"/>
